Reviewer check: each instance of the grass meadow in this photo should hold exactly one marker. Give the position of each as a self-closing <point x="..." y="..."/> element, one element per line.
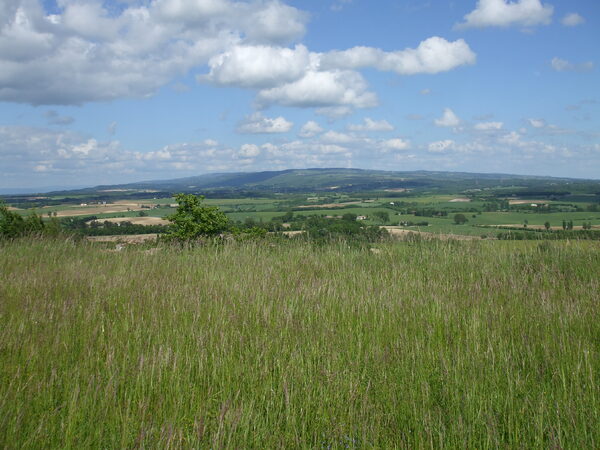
<point x="479" y="344"/>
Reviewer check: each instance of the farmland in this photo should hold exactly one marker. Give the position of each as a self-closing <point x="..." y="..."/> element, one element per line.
<point x="303" y="323"/>
<point x="419" y="212"/>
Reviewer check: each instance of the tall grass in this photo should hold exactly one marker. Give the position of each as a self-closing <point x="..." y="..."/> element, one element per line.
<point x="424" y="344"/>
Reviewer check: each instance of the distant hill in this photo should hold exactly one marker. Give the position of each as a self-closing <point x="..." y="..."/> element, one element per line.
<point x="345" y="180"/>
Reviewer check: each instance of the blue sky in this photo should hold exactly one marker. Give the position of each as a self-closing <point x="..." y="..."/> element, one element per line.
<point x="100" y="92"/>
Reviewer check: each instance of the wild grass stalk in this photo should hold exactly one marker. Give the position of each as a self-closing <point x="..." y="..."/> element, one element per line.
<point x="423" y="344"/>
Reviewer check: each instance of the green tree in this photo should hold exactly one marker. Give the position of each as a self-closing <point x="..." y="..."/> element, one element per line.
<point x="13" y="225"/>
<point x="193" y="219"/>
<point x="547" y="225"/>
<point x="383" y="216"/>
<point x="460" y="219"/>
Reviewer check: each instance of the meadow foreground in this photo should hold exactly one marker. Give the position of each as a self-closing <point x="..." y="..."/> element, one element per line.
<point x="470" y="344"/>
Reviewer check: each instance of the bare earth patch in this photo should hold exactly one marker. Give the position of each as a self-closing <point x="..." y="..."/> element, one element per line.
<point x="102" y="209"/>
<point x="460" y="200"/>
<point x="403" y="232"/>
<point x="134" y="220"/>
<point x="331" y="205"/>
<point x="526" y="202"/>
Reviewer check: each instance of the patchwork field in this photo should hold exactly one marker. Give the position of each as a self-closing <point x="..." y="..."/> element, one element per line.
<point x="419" y="212"/>
<point x="136" y="220"/>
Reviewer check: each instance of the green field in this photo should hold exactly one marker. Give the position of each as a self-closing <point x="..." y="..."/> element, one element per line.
<point x="481" y="344"/>
<point x="483" y="212"/>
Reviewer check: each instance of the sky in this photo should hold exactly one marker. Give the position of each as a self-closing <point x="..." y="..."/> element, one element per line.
<point x="114" y="91"/>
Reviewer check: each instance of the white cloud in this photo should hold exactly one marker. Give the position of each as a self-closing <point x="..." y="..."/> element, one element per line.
<point x="249" y="151"/>
<point x="396" y="144"/>
<point x="425" y="91"/>
<point x="512" y="138"/>
<point x="562" y="65"/>
<point x="433" y="55"/>
<point x="89" y="50"/>
<point x="537" y="123"/>
<point x="310" y="129"/>
<point x="321" y="89"/>
<point x="372" y="125"/>
<point x="440" y="146"/>
<point x="258" y="66"/>
<point x="86" y="53"/>
<point x="273" y="21"/>
<point x="256" y="123"/>
<point x="489" y="126"/>
<point x="504" y="13"/>
<point x="42" y="168"/>
<point x="448" y="119"/>
<point x="336" y="137"/>
<point x="334" y="112"/>
<point x="572" y="20"/>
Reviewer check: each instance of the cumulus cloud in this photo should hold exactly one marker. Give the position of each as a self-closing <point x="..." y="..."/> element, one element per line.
<point x="321" y="89"/>
<point x="572" y="20"/>
<point x="257" y="123"/>
<point x="372" y="125"/>
<point x="489" y="126"/>
<point x="505" y="13"/>
<point x="562" y="65"/>
<point x="85" y="53"/>
<point x="537" y="123"/>
<point x="396" y="144"/>
<point x="433" y="55"/>
<point x="440" y="146"/>
<point x="335" y="137"/>
<point x="258" y="66"/>
<point x="249" y="151"/>
<point x="448" y="119"/>
<point x="297" y="77"/>
<point x="310" y="129"/>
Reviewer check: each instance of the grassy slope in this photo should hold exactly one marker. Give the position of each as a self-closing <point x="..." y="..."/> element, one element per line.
<point x="468" y="345"/>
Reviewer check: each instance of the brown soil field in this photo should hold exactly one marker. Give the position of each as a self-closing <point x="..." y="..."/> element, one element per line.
<point x="329" y="205"/>
<point x="526" y="202"/>
<point x="100" y="209"/>
<point x="129" y="239"/>
<point x="135" y="220"/>
<point x="460" y="200"/>
<point x="403" y="232"/>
